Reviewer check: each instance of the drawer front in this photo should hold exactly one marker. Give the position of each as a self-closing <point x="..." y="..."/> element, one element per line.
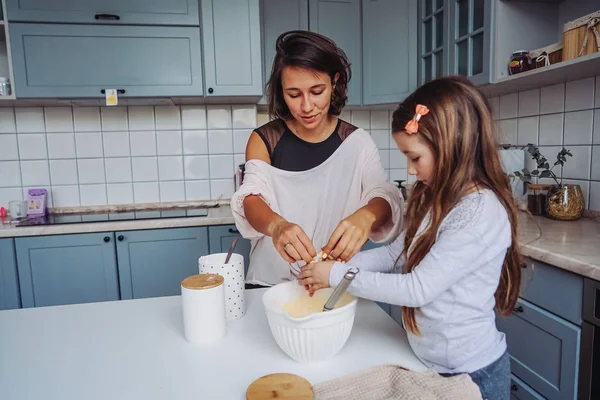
<point x="544" y="350"/>
<point x="553" y="289"/>
<point x="172" y="12"/>
<point x="520" y="391"/>
<point x="81" y="61"/>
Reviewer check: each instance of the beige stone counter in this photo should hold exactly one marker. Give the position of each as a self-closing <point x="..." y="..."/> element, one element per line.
<point x="570" y="245"/>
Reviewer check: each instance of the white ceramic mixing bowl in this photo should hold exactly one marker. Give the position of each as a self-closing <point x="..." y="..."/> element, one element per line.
<point x="316" y="337"/>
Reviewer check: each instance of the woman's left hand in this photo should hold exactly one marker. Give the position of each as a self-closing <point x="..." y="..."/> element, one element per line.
<point x="315" y="276"/>
<point x="350" y="235"/>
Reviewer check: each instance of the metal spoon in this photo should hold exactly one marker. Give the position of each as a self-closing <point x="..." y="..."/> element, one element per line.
<point x="231" y="248"/>
<point x="340" y="289"/>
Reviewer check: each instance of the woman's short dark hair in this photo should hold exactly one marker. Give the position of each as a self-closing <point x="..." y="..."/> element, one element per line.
<point x="312" y="51"/>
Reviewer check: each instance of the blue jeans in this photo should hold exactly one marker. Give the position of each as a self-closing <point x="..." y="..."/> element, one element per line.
<point x="493" y="380"/>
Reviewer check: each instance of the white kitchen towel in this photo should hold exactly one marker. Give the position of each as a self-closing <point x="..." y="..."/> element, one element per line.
<point x="513" y="160"/>
<point x="392" y="382"/>
<point x="233" y="272"/>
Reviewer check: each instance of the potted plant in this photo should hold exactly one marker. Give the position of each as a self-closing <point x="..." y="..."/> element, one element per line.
<point x="564" y="201"/>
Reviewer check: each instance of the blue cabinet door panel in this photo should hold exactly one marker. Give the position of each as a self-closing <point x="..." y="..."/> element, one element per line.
<point x="154" y="12"/>
<point x="220" y="238"/>
<point x="231" y="44"/>
<point x="9" y="282"/>
<point x="340" y="21"/>
<point x="67" y="269"/>
<point x="544" y="350"/>
<point x="520" y="391"/>
<point x="389" y="65"/>
<point x="153" y="263"/>
<point x="82" y="60"/>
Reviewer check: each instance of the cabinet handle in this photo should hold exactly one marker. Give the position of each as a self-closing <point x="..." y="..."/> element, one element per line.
<point x="231" y="230"/>
<point x="112" y="17"/>
<point x="514" y="387"/>
<point x="210" y="90"/>
<point x="120" y="238"/>
<point x="106" y="239"/>
<point x="518" y="309"/>
<point x="120" y="91"/>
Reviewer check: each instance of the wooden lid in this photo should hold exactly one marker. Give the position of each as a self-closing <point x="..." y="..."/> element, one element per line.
<point x="202" y="281"/>
<point x="280" y="386"/>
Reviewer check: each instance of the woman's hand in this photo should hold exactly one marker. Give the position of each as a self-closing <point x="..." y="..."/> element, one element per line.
<point x="315" y="276"/>
<point x="350" y="234"/>
<point x="291" y="242"/>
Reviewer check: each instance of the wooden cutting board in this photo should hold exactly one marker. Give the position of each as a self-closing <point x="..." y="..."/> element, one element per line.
<point x="280" y="386"/>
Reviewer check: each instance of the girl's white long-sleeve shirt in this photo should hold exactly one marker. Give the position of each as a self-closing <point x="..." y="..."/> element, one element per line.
<point x="453" y="286"/>
<point x="317" y="200"/>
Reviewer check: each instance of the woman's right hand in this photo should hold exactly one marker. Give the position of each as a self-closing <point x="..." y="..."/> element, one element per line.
<point x="292" y="243"/>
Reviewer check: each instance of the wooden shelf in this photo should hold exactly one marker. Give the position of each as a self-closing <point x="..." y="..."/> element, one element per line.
<point x="571" y="70"/>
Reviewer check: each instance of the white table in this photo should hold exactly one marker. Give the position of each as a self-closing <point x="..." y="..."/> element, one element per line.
<point x="135" y="349"/>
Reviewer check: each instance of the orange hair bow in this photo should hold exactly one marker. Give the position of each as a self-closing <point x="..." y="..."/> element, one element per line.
<point x="412" y="126"/>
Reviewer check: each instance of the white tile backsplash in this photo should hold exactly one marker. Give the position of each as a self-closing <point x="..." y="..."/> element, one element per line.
<point x="11" y="175"/>
<point x="221" y="188"/>
<point x="551" y="129"/>
<point x="143" y="143"/>
<point x="220" y="141"/>
<point x="141" y="118"/>
<point x="195" y="142"/>
<point x="116" y="144"/>
<point x="118" y="170"/>
<point x="7" y="120"/>
<point x="170" y="168"/>
<point x="172" y="191"/>
<point x="594" y="203"/>
<point x="380" y="120"/>
<point x="93" y="195"/>
<point x="197" y="190"/>
<point x="8" y="147"/>
<point x="398" y="160"/>
<point x="114" y="119"/>
<point x="243" y="117"/>
<point x="169" y="143"/>
<point x="219" y="117"/>
<point x="382" y="138"/>
<point x="578" y="166"/>
<point x="579" y="95"/>
<point x="595" y="163"/>
<point x="168" y="118"/>
<point x="145" y="192"/>
<point x="509" y="106"/>
<point x="119" y="193"/>
<point x="508" y="131"/>
<point x="89" y="144"/>
<point x="362" y="119"/>
<point x="596" y="135"/>
<point x="196" y="167"/>
<point x="221" y="167"/>
<point x="61" y="145"/>
<point x="63" y="172"/>
<point x="35" y="173"/>
<point x="30" y="120"/>
<point x="32" y="146"/>
<point x="145" y="169"/>
<point x="552" y="99"/>
<point x="529" y="103"/>
<point x="193" y="117"/>
<point x="65" y="196"/>
<point x="59" y="119"/>
<point x="527" y="130"/>
<point x="9" y="194"/>
<point x="240" y="140"/>
<point x="87" y="119"/>
<point x="91" y="170"/>
<point x="578" y="127"/>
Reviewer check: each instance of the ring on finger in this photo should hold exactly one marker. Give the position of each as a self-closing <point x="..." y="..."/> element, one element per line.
<point x="286" y="245"/>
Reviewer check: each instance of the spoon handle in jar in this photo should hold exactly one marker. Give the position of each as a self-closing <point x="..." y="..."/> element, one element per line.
<point x="340" y="290"/>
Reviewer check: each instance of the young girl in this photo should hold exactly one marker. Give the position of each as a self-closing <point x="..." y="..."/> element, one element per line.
<point x="457" y="258"/>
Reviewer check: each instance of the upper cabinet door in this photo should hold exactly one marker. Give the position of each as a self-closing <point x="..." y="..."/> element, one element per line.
<point x="279" y="16"/>
<point x="390" y="63"/>
<point x="470" y="39"/>
<point x="340" y="21"/>
<point x="155" y="12"/>
<point x="433" y="48"/>
<point x="52" y="60"/>
<point x="232" y="54"/>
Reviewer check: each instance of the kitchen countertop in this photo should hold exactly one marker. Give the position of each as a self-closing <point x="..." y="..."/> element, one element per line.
<point x="135" y="349"/>
<point x="570" y="245"/>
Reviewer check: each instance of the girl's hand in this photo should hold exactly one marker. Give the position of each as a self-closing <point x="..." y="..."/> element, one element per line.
<point x="292" y="243"/>
<point x="349" y="236"/>
<point x="315" y="276"/>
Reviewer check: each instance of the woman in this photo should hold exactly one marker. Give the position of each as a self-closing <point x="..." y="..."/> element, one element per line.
<point x="312" y="181"/>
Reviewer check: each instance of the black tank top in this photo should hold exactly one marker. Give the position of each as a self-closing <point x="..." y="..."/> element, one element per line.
<point x="288" y="152"/>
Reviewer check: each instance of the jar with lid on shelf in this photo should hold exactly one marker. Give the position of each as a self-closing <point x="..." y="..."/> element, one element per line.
<point x="537" y="196"/>
<point x="520" y="61"/>
<point x="4" y="86"/>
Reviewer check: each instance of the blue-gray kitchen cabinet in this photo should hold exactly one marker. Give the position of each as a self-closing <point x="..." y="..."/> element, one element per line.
<point x="433" y="49"/>
<point x="152" y="263"/>
<point x="544" y="350"/>
<point x="232" y="47"/>
<point x="520" y="391"/>
<point x="470" y="39"/>
<point x="67" y="269"/>
<point x="220" y="238"/>
<point x="9" y="282"/>
<point x="278" y="16"/>
<point x="340" y="20"/>
<point x="61" y="60"/>
<point x="389" y="51"/>
<point x="126" y="12"/>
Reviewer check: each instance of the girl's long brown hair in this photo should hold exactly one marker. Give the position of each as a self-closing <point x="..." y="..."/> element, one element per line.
<point x="462" y="135"/>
